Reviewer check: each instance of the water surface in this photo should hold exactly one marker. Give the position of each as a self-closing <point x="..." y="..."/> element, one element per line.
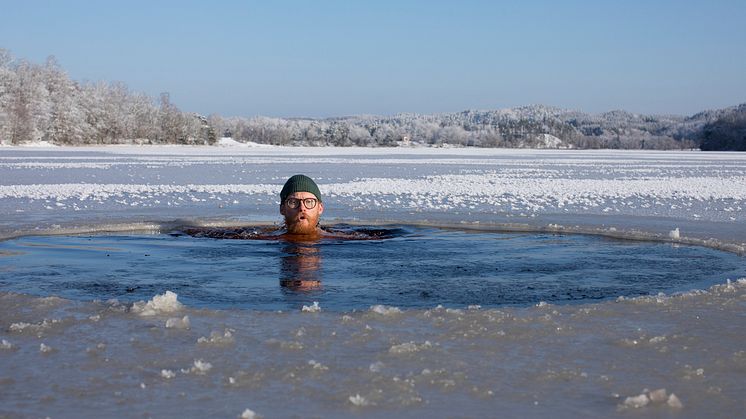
<point x="413" y="267"/>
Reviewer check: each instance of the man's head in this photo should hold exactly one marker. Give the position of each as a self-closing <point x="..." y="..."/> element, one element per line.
<point x="300" y="204"/>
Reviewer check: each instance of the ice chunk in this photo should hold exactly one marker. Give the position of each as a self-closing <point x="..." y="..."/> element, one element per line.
<point x="20" y="326"/>
<point x="34" y="327"/>
<point x="409" y="347"/>
<point x="5" y="345"/>
<point x="45" y="349"/>
<point x="249" y="414"/>
<point x="384" y="310"/>
<point x="674" y="234"/>
<point x="358" y="400"/>
<point x="218" y="338"/>
<point x="674" y="402"/>
<point x="658" y="396"/>
<point x="168" y="374"/>
<point x="315" y="308"/>
<point x="178" y="323"/>
<point x="165" y="303"/>
<point x="317" y="365"/>
<point x="376" y="366"/>
<point x="636" y="401"/>
<point x="201" y="366"/>
<point x="657" y="339"/>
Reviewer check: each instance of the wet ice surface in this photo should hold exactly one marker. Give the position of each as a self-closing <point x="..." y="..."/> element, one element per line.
<point x="568" y="361"/>
<point x="415" y="267"/>
<point x="163" y="356"/>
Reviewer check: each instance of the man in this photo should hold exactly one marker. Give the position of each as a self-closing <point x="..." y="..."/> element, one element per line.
<point x="301" y="206"/>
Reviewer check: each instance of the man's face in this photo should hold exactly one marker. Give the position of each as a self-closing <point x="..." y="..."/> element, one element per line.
<point x="301" y="220"/>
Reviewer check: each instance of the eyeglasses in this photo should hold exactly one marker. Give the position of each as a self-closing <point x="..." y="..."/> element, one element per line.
<point x="294" y="203"/>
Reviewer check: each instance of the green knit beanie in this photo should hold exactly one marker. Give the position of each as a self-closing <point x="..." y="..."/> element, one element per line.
<point x="299" y="183"/>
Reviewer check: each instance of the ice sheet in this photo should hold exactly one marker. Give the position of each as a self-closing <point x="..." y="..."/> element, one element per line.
<point x="702" y="194"/>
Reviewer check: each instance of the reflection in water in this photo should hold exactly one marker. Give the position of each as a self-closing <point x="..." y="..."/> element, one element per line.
<point x="301" y="260"/>
<point x="300" y="267"/>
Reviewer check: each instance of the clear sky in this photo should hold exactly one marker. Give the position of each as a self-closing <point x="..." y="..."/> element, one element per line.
<point x="335" y="58"/>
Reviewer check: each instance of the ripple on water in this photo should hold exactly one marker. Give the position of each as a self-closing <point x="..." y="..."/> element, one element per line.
<point x="400" y="267"/>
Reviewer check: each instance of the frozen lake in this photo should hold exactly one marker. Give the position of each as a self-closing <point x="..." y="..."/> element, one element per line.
<point x="64" y="352"/>
<point x="702" y="193"/>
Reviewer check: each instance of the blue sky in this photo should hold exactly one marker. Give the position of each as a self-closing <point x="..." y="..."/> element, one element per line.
<point x="335" y="58"/>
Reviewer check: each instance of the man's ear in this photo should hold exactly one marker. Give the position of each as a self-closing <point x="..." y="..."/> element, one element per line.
<point x="282" y="209"/>
<point x="321" y="208"/>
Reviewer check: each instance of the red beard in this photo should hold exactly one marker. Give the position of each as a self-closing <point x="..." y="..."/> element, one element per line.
<point x="301" y="224"/>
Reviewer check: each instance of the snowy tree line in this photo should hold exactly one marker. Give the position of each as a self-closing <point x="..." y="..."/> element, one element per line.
<point x="525" y="127"/>
<point x="41" y="103"/>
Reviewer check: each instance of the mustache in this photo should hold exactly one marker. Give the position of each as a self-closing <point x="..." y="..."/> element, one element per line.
<point x="299" y="218"/>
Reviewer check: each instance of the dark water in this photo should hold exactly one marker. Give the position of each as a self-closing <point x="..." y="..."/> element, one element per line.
<point x="414" y="267"/>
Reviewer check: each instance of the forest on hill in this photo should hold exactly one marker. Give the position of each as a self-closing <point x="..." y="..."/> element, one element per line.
<point x="40" y="103"/>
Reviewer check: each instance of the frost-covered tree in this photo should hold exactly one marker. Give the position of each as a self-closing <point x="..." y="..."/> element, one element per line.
<point x="7" y="76"/>
<point x="27" y="104"/>
<point x="43" y="103"/>
<point x="66" y="124"/>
